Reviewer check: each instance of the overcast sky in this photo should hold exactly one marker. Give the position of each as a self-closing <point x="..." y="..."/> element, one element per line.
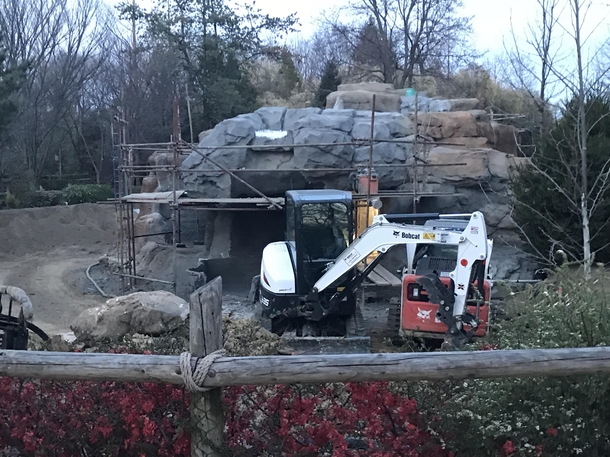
<point x="491" y="19"/>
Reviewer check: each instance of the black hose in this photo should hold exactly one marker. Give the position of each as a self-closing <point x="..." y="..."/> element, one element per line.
<point x="99" y="289"/>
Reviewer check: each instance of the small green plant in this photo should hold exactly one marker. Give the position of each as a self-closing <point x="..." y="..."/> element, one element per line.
<point x="44" y="198"/>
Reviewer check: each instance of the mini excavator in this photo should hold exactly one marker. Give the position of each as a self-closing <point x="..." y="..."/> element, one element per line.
<point x="308" y="282"/>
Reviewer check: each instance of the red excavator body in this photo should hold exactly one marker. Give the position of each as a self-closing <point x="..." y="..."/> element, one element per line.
<point x="419" y="317"/>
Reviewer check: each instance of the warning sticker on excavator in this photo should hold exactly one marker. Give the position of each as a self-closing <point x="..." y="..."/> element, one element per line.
<point x="429" y="236"/>
<point x="352" y="258"/>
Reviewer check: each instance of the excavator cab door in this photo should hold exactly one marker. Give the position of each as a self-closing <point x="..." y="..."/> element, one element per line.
<point x="320" y="227"/>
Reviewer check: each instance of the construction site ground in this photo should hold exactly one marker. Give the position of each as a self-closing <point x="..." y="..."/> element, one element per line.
<point x="46" y="252"/>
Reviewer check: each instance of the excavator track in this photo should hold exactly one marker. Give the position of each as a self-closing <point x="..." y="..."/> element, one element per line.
<point x="355" y="326"/>
<point x="393" y="325"/>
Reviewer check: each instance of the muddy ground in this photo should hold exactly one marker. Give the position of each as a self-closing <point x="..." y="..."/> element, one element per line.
<point x="46" y="252"/>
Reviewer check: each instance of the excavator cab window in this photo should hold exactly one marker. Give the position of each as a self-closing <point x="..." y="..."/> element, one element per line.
<point x="319" y="227"/>
<point x="437" y="259"/>
<point x="325" y="231"/>
<point x="324" y="234"/>
<point x="442" y="251"/>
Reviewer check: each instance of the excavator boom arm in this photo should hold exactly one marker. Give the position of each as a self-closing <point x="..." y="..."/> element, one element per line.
<point x="382" y="235"/>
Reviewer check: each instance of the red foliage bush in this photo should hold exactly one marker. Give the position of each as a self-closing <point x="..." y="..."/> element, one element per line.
<point x="65" y="419"/>
<point x="339" y="420"/>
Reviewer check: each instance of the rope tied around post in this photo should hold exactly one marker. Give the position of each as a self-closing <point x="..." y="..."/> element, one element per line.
<point x="194" y="379"/>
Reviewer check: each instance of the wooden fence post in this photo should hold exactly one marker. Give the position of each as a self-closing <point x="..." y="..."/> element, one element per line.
<point x="207" y="418"/>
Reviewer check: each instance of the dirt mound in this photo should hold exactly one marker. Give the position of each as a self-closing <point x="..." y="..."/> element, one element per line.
<point x="31" y="230"/>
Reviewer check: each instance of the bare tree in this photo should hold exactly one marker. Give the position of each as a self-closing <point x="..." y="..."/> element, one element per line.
<point x="61" y="44"/>
<point x="532" y="61"/>
<point x="402" y="38"/>
<point x="569" y="172"/>
<point x="312" y="54"/>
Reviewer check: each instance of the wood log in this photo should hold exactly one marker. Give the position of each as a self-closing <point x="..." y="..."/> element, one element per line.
<point x="205" y="337"/>
<point x="72" y="366"/>
<point x="232" y="371"/>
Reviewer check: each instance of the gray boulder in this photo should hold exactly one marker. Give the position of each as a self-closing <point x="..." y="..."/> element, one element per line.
<point x="327" y="120"/>
<point x="508" y="262"/>
<point x="318" y="157"/>
<point x="294" y="115"/>
<point x="149" y="313"/>
<point x="410" y="104"/>
<point x="398" y="125"/>
<point x="238" y="130"/>
<point x="384" y="153"/>
<point x="272" y="117"/>
<point x="362" y="130"/>
<point x="363" y="100"/>
<point x="439" y="105"/>
<point x="255" y="119"/>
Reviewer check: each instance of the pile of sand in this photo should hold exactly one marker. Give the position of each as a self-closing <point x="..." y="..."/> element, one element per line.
<point x="30" y="230"/>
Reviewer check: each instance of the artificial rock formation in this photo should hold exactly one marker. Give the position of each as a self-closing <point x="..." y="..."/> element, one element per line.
<point x="332" y="138"/>
<point x="469" y="158"/>
<point x="324" y="138"/>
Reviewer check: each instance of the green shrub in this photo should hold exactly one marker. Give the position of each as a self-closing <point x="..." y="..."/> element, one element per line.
<point x="87" y="193"/>
<point x="535" y="416"/>
<point x="42" y="198"/>
<point x="71" y="195"/>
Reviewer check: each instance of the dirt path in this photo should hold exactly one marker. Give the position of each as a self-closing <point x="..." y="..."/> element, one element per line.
<point x="55" y="281"/>
<point x="46" y="251"/>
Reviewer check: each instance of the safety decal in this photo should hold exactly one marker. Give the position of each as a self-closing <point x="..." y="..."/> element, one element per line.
<point x="352" y="258"/>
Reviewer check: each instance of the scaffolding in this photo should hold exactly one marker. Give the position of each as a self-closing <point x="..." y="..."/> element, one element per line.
<point x="131" y="163"/>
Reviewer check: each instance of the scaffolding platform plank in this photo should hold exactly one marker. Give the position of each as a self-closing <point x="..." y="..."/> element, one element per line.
<point x="232" y="203"/>
<point x="358" y="197"/>
<point x="205" y="203"/>
<point x="158" y="197"/>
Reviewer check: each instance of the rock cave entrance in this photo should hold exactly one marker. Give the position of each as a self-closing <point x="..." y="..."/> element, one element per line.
<point x="249" y="232"/>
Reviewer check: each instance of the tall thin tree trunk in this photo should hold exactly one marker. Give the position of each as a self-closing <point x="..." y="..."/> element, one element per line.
<point x="582" y="143"/>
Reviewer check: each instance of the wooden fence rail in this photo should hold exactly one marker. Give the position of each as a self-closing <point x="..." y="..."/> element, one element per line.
<point x="234" y="371"/>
